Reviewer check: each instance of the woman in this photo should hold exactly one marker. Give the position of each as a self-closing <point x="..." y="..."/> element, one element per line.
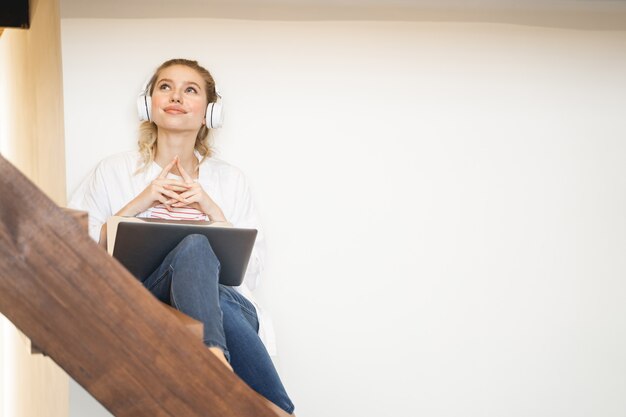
<point x="174" y="176"/>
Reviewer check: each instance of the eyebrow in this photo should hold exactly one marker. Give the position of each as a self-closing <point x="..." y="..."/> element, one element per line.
<point x="186" y="82"/>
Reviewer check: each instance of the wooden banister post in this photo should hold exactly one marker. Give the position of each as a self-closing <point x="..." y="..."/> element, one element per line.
<point x="95" y="320"/>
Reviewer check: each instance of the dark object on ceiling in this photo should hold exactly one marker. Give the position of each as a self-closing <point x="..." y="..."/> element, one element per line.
<point x="14" y="14"/>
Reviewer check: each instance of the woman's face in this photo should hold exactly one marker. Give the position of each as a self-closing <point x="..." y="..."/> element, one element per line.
<point x="179" y="99"/>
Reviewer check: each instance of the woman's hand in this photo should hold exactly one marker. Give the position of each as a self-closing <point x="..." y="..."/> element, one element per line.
<point x="194" y="196"/>
<point x="160" y="191"/>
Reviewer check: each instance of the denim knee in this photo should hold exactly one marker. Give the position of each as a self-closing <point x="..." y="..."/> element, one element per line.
<point x="198" y="248"/>
<point x="195" y="242"/>
<point x="231" y="302"/>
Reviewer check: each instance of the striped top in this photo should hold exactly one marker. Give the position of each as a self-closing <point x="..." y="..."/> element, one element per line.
<point x="175" y="213"/>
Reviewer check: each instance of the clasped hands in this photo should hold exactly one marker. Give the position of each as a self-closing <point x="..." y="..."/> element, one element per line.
<point x="176" y="193"/>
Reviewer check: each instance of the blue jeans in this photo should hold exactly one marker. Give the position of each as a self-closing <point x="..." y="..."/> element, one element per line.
<point x="188" y="280"/>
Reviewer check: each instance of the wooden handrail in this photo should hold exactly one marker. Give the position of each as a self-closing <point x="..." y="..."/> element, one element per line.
<point x="194" y="326"/>
<point x="97" y="322"/>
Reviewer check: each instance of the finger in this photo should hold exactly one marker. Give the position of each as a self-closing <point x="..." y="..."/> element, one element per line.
<point x="163" y="191"/>
<point x="168" y="168"/>
<point x="188" y="195"/>
<point x="172" y="194"/>
<point x="183" y="173"/>
<point x="176" y="187"/>
<point x="164" y="202"/>
<point x="171" y="181"/>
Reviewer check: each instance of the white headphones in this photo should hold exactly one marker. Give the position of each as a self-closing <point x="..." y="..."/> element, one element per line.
<point x="214" y="111"/>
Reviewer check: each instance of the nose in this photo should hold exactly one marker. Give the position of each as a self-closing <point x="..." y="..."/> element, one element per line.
<point x="175" y="96"/>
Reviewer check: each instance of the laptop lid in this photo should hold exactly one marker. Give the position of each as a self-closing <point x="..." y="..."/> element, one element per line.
<point x="142" y="246"/>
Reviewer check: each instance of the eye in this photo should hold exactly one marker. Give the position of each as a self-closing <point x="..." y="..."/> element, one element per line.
<point x="191" y="90"/>
<point x="164" y="87"/>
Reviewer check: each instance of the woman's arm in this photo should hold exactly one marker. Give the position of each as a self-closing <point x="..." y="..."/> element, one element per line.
<point x="160" y="190"/>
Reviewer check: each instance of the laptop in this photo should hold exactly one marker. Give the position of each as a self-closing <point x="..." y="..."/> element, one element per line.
<point x="142" y="244"/>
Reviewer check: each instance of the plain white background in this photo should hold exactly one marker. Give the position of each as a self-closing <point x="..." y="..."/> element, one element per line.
<point x="444" y="202"/>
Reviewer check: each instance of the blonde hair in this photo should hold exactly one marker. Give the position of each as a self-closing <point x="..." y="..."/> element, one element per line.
<point x="148" y="130"/>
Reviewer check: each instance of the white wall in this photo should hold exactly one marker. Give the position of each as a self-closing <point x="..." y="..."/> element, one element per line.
<point x="445" y="203"/>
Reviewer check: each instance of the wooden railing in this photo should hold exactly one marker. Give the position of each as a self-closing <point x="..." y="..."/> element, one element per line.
<point x="96" y="321"/>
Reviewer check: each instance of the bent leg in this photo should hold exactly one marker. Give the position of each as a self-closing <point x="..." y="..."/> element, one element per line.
<point x="187" y="279"/>
<point x="248" y="355"/>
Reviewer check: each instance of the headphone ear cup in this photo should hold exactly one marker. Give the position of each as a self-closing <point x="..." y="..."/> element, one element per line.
<point x="144" y="107"/>
<point x="214" y="115"/>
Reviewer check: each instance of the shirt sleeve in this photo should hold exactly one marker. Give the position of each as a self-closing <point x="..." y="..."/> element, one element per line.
<point x="245" y="216"/>
<point x="91" y="196"/>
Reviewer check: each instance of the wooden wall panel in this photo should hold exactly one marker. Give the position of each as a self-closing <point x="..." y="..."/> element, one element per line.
<point x="32" y="99"/>
<point x="32" y="136"/>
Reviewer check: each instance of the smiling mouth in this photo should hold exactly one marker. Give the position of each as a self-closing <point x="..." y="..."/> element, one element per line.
<point x="174" y="110"/>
